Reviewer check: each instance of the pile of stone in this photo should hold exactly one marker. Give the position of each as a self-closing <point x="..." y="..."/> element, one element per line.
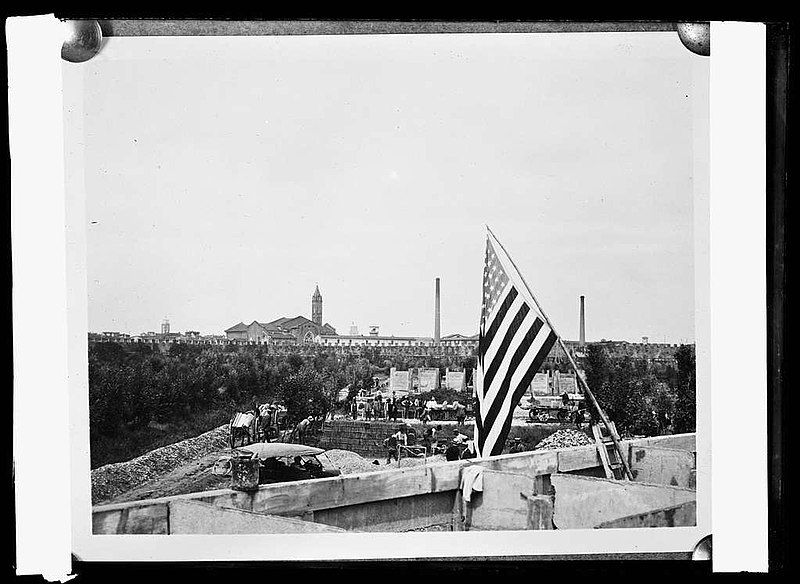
<point x="351" y="463"/>
<point x="565" y="438"/>
<point x="111" y="480"/>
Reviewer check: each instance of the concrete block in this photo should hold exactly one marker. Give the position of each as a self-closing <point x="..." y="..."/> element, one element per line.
<point x="194" y="517"/>
<point x="503" y="503"/>
<point x="683" y="515"/>
<point x="586" y="502"/>
<point x="662" y="466"/>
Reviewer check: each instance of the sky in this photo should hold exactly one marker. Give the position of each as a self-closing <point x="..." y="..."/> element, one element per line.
<point x="226" y="178"/>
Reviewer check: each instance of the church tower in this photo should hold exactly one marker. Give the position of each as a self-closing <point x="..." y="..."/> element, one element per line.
<point x="316" y="307"/>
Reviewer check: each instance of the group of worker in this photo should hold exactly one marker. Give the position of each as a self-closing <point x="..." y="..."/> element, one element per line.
<point x="393" y="408"/>
<point x="460" y="447"/>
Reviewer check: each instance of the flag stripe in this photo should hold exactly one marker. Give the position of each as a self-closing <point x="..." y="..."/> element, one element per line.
<point x="501" y="350"/>
<point x="522" y="342"/>
<point x="500" y="391"/>
<point x="493" y="347"/>
<point x="513" y="342"/>
<point x="499" y="443"/>
<point x="498" y="319"/>
<point x="527" y="360"/>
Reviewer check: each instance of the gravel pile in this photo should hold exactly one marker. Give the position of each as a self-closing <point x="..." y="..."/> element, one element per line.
<point x="351" y="463"/>
<point x="113" y="479"/>
<point x="565" y="438"/>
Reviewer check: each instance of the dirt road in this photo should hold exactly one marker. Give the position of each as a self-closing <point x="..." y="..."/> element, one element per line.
<point x="193" y="476"/>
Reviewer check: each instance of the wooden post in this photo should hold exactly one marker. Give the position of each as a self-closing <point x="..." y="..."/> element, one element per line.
<point x="572" y="363"/>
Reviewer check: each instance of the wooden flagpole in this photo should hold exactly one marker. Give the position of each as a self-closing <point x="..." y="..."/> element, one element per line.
<point x="603" y="417"/>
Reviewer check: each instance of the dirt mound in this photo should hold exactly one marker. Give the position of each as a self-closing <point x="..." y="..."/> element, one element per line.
<point x="565" y="438"/>
<point x="349" y="462"/>
<point x="352" y="463"/>
<point x="111" y="480"/>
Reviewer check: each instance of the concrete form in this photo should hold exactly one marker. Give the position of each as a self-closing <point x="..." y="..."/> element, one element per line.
<point x="529" y="490"/>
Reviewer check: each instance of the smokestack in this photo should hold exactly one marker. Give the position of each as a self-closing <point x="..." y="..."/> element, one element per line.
<point x="583" y="325"/>
<point x="437" y="331"/>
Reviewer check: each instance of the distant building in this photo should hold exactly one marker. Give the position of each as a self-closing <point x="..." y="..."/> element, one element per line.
<point x="458" y="340"/>
<point x="298" y="329"/>
<point x="372" y="341"/>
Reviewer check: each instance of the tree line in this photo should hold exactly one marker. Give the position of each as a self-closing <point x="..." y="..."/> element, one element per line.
<point x="134" y="386"/>
<point x="640" y="398"/>
<point x="131" y="386"/>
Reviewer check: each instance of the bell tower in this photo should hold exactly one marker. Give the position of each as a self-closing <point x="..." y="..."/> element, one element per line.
<point x="316" y="307"/>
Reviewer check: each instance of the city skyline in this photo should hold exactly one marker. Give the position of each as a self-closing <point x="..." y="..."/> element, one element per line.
<point x="371" y="166"/>
<point x="363" y="330"/>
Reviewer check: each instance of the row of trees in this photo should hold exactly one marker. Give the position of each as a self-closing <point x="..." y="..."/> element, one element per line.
<point x="640" y="398"/>
<point x="131" y="386"/>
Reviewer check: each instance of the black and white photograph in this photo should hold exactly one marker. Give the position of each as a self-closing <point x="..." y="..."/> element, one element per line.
<point x="398" y="283"/>
<point x="368" y="296"/>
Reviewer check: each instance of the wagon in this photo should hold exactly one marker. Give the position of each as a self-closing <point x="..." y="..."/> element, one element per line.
<point x="283" y="462"/>
<point x="243" y="428"/>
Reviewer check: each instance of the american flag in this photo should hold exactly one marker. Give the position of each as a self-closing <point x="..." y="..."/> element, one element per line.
<point x="514" y="340"/>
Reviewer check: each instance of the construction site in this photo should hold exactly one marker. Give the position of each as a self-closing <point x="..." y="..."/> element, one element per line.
<point x="567" y="475"/>
<point x="576" y="487"/>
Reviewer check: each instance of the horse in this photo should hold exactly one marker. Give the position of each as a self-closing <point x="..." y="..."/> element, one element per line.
<point x="243" y="426"/>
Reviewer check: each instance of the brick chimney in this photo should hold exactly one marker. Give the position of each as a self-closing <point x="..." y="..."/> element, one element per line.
<point x="437" y="331"/>
<point x="582" y="341"/>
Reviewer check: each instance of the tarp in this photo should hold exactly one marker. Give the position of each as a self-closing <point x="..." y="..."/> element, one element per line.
<point x="242" y="420"/>
<point x="280" y="449"/>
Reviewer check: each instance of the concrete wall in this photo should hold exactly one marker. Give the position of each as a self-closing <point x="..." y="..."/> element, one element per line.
<point x="585" y="502"/>
<point x="663" y="466"/>
<point x="356" y="501"/>
<point x="196" y="517"/>
<point x="393" y="515"/>
<point x="675" y="516"/>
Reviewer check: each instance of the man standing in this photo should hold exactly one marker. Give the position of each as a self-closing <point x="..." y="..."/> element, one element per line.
<point x="368" y="409"/>
<point x="393" y="443"/>
<point x="461" y="413"/>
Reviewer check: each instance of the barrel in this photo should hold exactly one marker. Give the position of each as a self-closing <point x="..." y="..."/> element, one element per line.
<point x="244" y="473"/>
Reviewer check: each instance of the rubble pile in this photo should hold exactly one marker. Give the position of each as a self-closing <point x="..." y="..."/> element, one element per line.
<point x="113" y="479"/>
<point x="565" y="438"/>
<point x="351" y="463"/>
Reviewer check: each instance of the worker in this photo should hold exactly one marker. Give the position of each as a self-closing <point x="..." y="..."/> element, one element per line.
<point x="516" y="446"/>
<point x="399" y="438"/>
<point x="461" y="413"/>
<point x="302" y="428"/>
<point x="368" y="409"/>
<point x="453" y="452"/>
<point x="470" y="451"/>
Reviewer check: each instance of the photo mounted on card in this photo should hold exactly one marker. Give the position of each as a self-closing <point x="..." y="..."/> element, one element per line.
<point x="334" y="294"/>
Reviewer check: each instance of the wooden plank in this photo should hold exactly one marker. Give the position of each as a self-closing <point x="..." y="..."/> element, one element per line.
<point x="315" y="494"/>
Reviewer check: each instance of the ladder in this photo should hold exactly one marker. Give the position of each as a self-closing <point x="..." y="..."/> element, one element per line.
<point x="609" y="456"/>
